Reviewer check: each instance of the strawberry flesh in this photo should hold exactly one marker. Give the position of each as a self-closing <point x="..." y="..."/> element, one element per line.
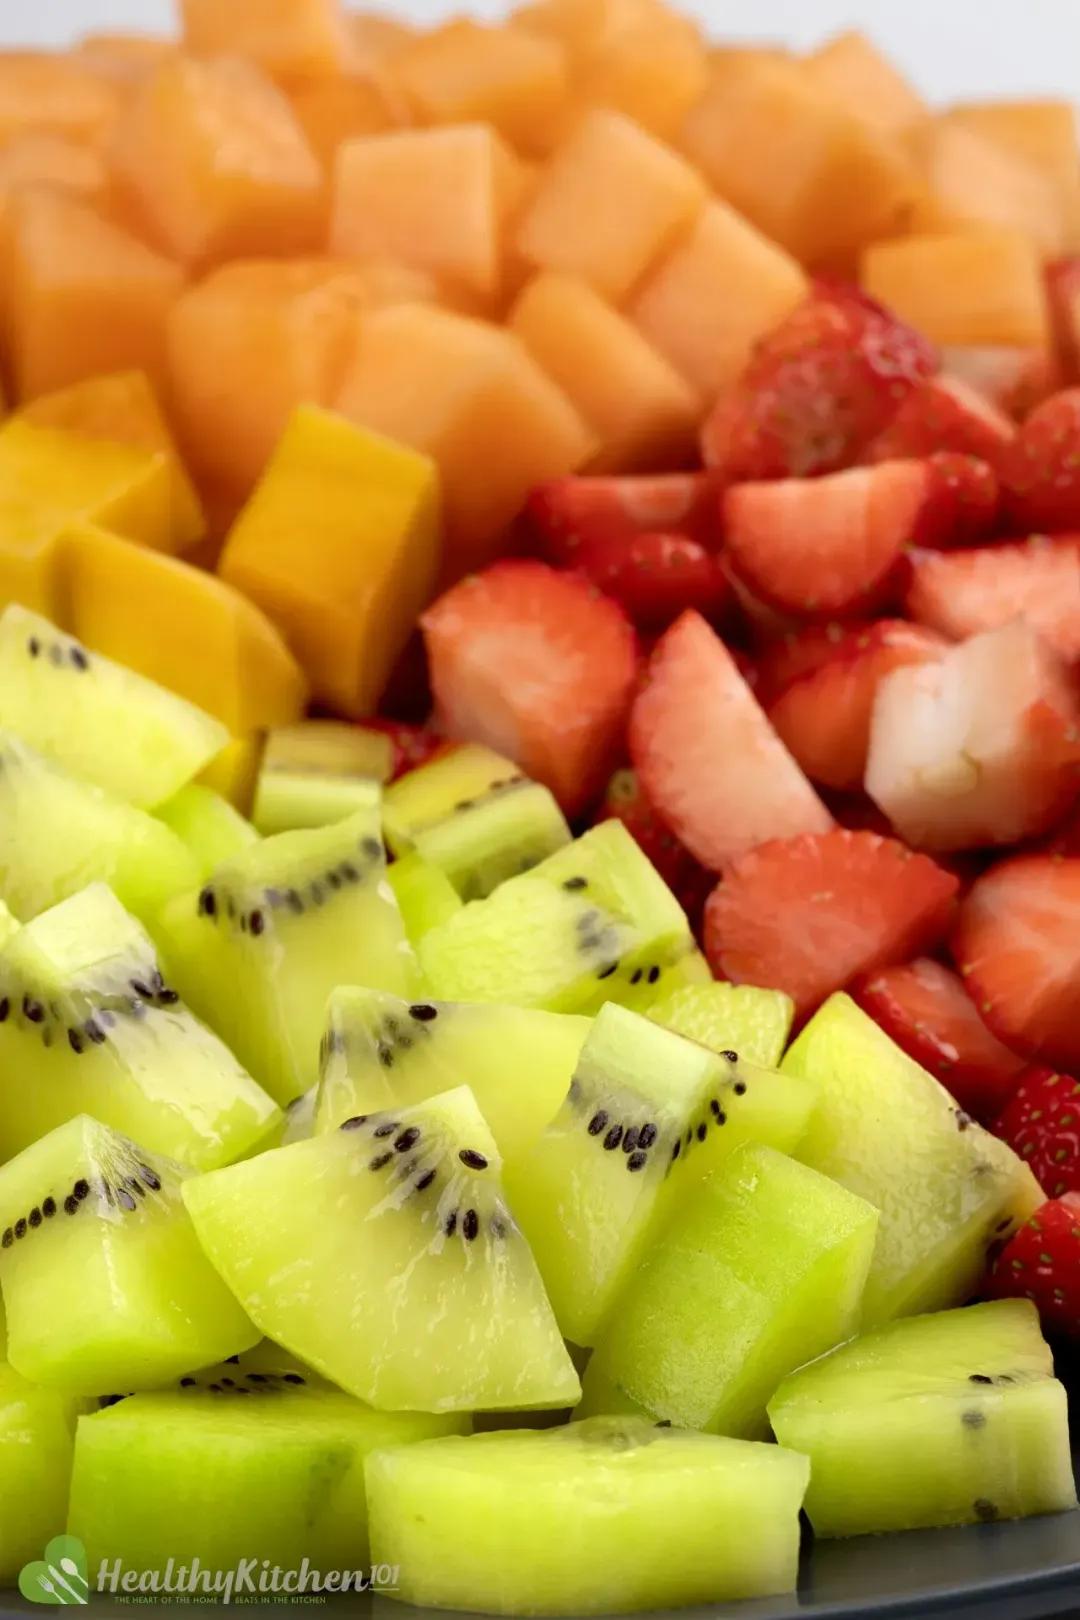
<point x="963" y="502"/>
<point x="1042" y="1125"/>
<point x="656" y="577"/>
<point x="1042" y="1263"/>
<point x="568" y="516"/>
<point x="945" y="413"/>
<point x="413" y="746"/>
<point x="965" y="592"/>
<point x="1041" y="472"/>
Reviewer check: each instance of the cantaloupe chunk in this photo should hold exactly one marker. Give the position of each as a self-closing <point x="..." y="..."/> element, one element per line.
<point x="715" y="294"/>
<point x="438" y="199"/>
<point x="339" y="545"/>
<point x="123" y="408"/>
<point x="86" y="296"/>
<point x="470" y="396"/>
<point x="798" y="163"/>
<point x="336" y="108"/>
<point x="180" y="626"/>
<point x="41" y="158"/>
<point x="973" y="182"/>
<point x="54" y="92"/>
<point x="285" y="37"/>
<point x="978" y="289"/>
<point x="1043" y="132"/>
<point x="123" y="59"/>
<point x="212" y="156"/>
<point x="611" y="202"/>
<point x="643" y="412"/>
<point x="653" y="71"/>
<point x="851" y="70"/>
<point x="375" y="37"/>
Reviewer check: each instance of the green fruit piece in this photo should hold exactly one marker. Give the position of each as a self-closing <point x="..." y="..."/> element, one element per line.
<point x="380" y="1052"/>
<point x="730" y="1017"/>
<point x="208" y="824"/>
<point x="760" y="1269"/>
<point x="258" y="951"/>
<point x="888" y="1131"/>
<point x="8" y="925"/>
<point x="472" y="814"/>
<point x="265" y="1363"/>
<point x="955" y="1418"/>
<point x="318" y="772"/>
<point x="89" y="1025"/>
<point x="571" y="1521"/>
<point x="60" y="833"/>
<point x="105" y="1284"/>
<point x="37" y="1435"/>
<point x="426" y="896"/>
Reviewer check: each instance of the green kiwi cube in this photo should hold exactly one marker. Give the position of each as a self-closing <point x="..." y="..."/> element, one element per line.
<point x="425" y="895"/>
<point x="952" y="1418"/>
<point x="88" y="1024"/>
<point x="37" y="1437"/>
<point x="318" y="772"/>
<point x="611" y="1516"/>
<point x="105" y="1284"/>
<point x="730" y="1017"/>
<point x="374" y="1253"/>
<point x="760" y="1269"/>
<point x="208" y="824"/>
<point x="947" y="1190"/>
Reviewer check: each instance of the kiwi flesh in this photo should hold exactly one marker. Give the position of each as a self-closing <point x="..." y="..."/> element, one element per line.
<point x="37" y="1437"/>
<point x="570" y="1521"/>
<point x="100" y="721"/>
<point x="760" y="1269"/>
<point x="953" y="1418"/>
<point x="885" y="1129"/>
<point x="730" y="1017"/>
<point x="385" y="1256"/>
<point x="381" y="1052"/>
<point x="425" y="896"/>
<point x="213" y="830"/>
<point x="105" y="1284"/>
<point x="318" y="772"/>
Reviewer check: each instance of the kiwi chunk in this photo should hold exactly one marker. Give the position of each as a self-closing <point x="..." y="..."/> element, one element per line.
<point x="319" y="772"/>
<point x="425" y="894"/>
<point x="104" y="1281"/>
<point x="568" y="1522"/>
<point x="730" y="1017"/>
<point x="474" y="815"/>
<point x="375" y="1252"/>
<point x="88" y="1023"/>
<point x="380" y="1052"/>
<point x="100" y="721"/>
<point x="37" y="1437"/>
<point x="257" y="951"/>
<point x="954" y="1418"/>
<point x="208" y="824"/>
<point x="887" y="1130"/>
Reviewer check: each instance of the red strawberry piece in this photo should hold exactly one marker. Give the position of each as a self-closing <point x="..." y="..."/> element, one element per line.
<point x="816" y="392"/>
<point x="807" y="915"/>
<point x="1042" y="1263"/>
<point x="688" y="881"/>
<point x="925" y="1009"/>
<point x="1016" y="380"/>
<point x="824" y="545"/>
<point x="1017" y="945"/>
<point x="824" y="717"/>
<point x="706" y="755"/>
<point x="764" y="621"/>
<point x="1063" y="292"/>
<point x="1042" y="1124"/>
<point x="962" y="593"/>
<point x="541" y="667"/>
<point x="800" y="652"/>
<point x="963" y="502"/>
<point x="413" y="745"/>
<point x="656" y="577"/>
<point x="1041" y="472"/>
<point x="944" y="413"/>
<point x="570" y="515"/>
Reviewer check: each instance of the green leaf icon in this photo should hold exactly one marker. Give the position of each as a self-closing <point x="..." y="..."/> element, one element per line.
<point x="60" y="1577"/>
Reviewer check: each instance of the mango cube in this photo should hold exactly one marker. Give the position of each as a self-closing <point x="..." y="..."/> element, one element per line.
<point x="285" y="37"/>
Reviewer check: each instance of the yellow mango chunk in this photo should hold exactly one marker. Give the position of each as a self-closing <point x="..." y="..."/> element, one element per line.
<point x="235" y="771"/>
<point x="339" y="545"/>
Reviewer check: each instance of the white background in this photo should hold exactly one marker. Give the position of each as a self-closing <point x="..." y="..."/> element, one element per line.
<point x="951" y="48"/>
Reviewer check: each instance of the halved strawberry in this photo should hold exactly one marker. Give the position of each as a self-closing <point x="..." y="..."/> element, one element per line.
<point x="764" y="621"/>
<point x="656" y="577"/>
<point x="963" y="502"/>
<point x="980" y="748"/>
<point x="788" y="657"/>
<point x="1016" y="380"/>
<point x="570" y="515"/>
<point x="1041" y="472"/>
<point x="961" y="593"/>
<point x="817" y="391"/>
<point x="1017" y="945"/>
<point x="413" y="745"/>
<point x="807" y="915"/>
<point x="1042" y="1124"/>
<point x="707" y="756"/>
<point x="944" y="413"/>
<point x="689" y="882"/>
<point x="538" y="665"/>
<point x="1042" y="1263"/>
<point x="925" y="1008"/>
<point x="824" y="716"/>
<point x="824" y="545"/>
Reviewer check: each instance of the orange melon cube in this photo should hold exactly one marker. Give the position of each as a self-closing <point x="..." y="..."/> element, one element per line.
<point x="589" y="27"/>
<point x="855" y="74"/>
<point x="643" y="413"/>
<point x="285" y="37"/>
<point x="715" y="294"/>
<point x="55" y="160"/>
<point x="610" y="203"/>
<point x="375" y="38"/>
<point x="1042" y="132"/>
<point x="56" y="93"/>
<point x="972" y="182"/>
<point x="212" y="156"/>
<point x="973" y="289"/>
<point x="124" y="59"/>
<point x="470" y="396"/>
<point x="339" y="545"/>
<point x="797" y="163"/>
<point x="653" y="73"/>
<point x="331" y="111"/>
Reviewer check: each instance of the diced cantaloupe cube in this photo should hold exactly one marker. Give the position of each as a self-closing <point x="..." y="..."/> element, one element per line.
<point x="652" y="71"/>
<point x="124" y="59"/>
<point x="715" y="294"/>
<point x="85" y="296"/>
<point x="375" y="37"/>
<point x="611" y="202"/>
<point x="123" y="408"/>
<point x="851" y="70"/>
<point x="470" y="396"/>
<point x="339" y="546"/>
<point x="180" y="626"/>
<point x="983" y="289"/>
<point x="1043" y="132"/>
<point x="41" y="158"/>
<point x="211" y="154"/>
<point x="797" y="163"/>
<point x="643" y="412"/>
<point x="336" y="108"/>
<point x="285" y="37"/>
<point x="54" y="92"/>
<point x="973" y="182"/>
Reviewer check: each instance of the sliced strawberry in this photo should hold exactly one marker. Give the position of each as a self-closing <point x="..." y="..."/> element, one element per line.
<point x="824" y="717"/>
<point x="824" y="545"/>
<point x="925" y="1009"/>
<point x="807" y="915"/>
<point x="980" y="748"/>
<point x="689" y="882"/>
<point x="1041" y="472"/>
<point x="707" y="756"/>
<point x="1042" y="1263"/>
<point x="816" y="392"/>
<point x="413" y="745"/>
<point x="569" y="515"/>
<point x="1063" y="293"/>
<point x="1042" y="1124"/>
<point x="1017" y="945"/>
<point x="962" y="593"/>
<point x="963" y="502"/>
<point x="764" y="622"/>
<point x="656" y="577"/>
<point x="791" y="656"/>
<point x="541" y="667"/>
<point x="1016" y="380"/>
<point x="944" y="413"/>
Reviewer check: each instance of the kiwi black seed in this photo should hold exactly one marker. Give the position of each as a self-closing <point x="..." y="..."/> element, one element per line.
<point x="470" y="1225"/>
<point x="425" y="1181"/>
<point x="979" y="1378"/>
<point x="380" y="1161"/>
<point x="613" y="1138"/>
<point x="472" y="1159"/>
<point x="732" y="1057"/>
<point x="408" y="1139"/>
<point x="423" y="1012"/>
<point x="353" y="1124"/>
<point x="573" y="885"/>
<point x="598" y="1122"/>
